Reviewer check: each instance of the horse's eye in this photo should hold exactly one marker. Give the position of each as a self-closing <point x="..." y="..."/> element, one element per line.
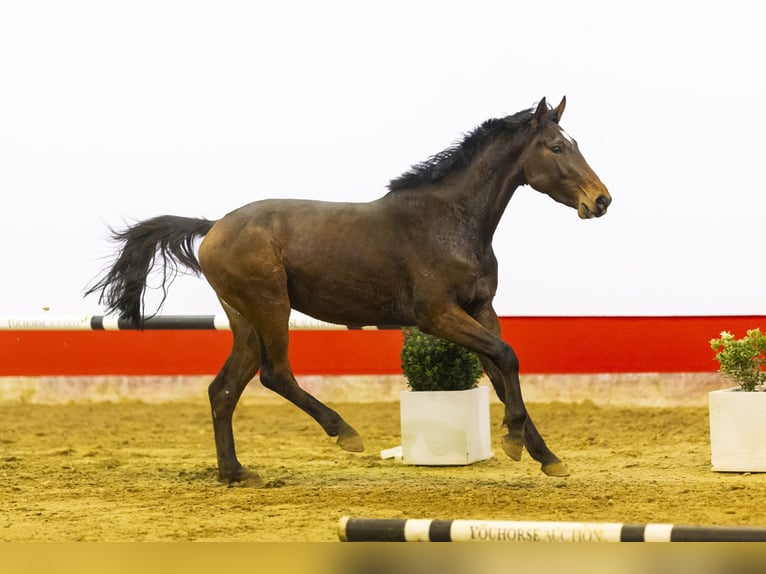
<point x="556" y="149"/>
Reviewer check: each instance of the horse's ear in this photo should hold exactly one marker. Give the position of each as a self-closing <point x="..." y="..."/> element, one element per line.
<point x="540" y="113"/>
<point x="560" y="108"/>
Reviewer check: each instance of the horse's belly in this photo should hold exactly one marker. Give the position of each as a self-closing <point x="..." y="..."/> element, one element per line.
<point x="357" y="302"/>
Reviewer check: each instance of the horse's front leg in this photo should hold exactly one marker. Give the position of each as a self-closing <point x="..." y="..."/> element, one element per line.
<point x="532" y="440"/>
<point x="455" y="324"/>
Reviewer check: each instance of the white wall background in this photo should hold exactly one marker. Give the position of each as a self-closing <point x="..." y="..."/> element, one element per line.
<point x="111" y="112"/>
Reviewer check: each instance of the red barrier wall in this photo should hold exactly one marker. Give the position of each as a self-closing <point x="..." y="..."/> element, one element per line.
<point x="545" y="345"/>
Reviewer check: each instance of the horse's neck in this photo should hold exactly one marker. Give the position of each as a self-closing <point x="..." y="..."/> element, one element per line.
<point x="477" y="196"/>
<point x="486" y="187"/>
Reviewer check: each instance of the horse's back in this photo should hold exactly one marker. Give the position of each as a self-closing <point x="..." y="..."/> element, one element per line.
<point x="294" y="222"/>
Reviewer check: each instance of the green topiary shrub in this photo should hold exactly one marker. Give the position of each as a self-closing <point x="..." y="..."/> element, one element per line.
<point x="433" y="364"/>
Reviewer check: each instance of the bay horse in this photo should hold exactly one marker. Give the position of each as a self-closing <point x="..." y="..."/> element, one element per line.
<point x="420" y="255"/>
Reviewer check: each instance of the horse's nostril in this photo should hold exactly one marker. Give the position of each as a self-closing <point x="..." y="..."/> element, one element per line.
<point x="603" y="201"/>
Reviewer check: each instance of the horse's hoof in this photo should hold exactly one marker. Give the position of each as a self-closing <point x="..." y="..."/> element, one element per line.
<point x="556" y="469"/>
<point x="512" y="447"/>
<point x="348" y="438"/>
<point x="351" y="443"/>
<point x="242" y="477"/>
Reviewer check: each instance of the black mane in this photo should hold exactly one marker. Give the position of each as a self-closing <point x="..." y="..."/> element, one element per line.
<point x="459" y="154"/>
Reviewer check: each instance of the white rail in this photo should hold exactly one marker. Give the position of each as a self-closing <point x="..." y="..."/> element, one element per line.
<point x="159" y="322"/>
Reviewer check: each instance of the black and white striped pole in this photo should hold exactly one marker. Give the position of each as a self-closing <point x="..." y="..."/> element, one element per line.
<point x="427" y="530"/>
<point x="153" y="323"/>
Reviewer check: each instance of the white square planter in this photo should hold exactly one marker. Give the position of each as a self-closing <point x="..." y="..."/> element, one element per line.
<point x="737" y="430"/>
<point x="445" y="427"/>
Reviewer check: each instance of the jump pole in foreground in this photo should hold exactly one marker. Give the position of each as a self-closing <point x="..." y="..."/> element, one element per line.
<point x="427" y="530"/>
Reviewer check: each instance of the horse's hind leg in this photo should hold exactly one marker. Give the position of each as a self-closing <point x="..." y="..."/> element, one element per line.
<point x="277" y="376"/>
<point x="272" y="324"/>
<point x="224" y="393"/>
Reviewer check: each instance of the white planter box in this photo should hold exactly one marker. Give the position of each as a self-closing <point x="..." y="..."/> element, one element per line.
<point x="737" y="430"/>
<point x="445" y="427"/>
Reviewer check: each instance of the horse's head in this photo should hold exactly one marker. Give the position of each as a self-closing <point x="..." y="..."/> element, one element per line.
<point x="552" y="164"/>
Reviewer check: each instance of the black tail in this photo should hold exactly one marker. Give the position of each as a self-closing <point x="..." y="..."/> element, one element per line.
<point x="172" y="238"/>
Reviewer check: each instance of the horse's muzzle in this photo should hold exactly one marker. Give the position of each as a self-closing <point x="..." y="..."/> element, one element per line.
<point x="601" y="204"/>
